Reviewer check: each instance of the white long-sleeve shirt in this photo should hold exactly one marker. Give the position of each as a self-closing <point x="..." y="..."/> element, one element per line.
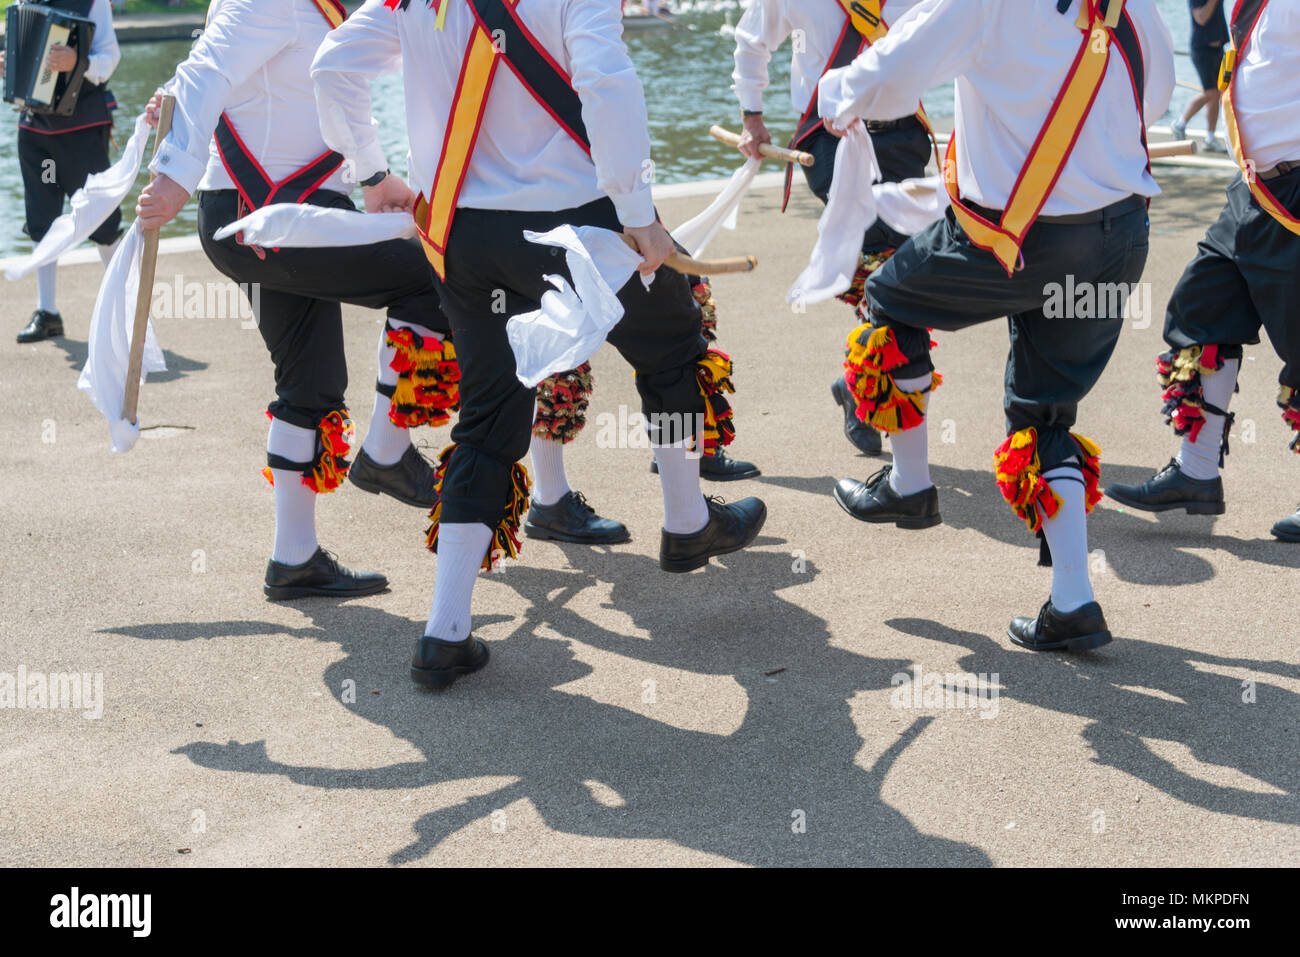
<point x="104" y="54"/>
<point x="813" y="26"/>
<point x="1266" y="90"/>
<point x="1010" y="59"/>
<point x="253" y="63"/>
<point x="523" y="160"/>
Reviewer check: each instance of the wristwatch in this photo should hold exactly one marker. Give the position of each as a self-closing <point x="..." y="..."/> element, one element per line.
<point x="376" y="179"/>
<point x="751" y="112"/>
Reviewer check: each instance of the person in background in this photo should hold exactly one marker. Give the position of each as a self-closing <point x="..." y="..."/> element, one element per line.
<point x="1209" y="34"/>
<point x="58" y="153"/>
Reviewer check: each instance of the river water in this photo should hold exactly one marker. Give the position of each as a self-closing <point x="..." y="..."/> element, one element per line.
<point x="686" y="70"/>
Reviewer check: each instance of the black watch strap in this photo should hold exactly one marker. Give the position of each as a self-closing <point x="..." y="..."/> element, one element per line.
<point x="376" y="179"/>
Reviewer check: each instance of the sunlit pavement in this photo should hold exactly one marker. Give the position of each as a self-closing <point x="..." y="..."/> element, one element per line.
<point x="751" y="713"/>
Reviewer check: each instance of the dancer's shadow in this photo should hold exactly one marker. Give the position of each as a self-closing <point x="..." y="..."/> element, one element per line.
<point x="784" y="788"/>
<point x="1219" y="719"/>
<point x="178" y="366"/>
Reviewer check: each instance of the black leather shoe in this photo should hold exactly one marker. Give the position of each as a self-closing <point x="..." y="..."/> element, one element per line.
<point x="319" y="575"/>
<point x="437" y="663"/>
<point x="1078" y="630"/>
<point x="729" y="529"/>
<point x="864" y="438"/>
<point x="1169" y="489"/>
<point x="1288" y="529"/>
<point x="43" y="325"/>
<point x="874" y="501"/>
<point x="571" y="519"/>
<point x="721" y="468"/>
<point x="410" y="479"/>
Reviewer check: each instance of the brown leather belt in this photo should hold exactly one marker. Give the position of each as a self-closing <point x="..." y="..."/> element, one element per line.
<point x="1281" y="169"/>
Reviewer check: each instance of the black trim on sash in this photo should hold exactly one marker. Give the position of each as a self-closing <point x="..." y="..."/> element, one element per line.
<point x="538" y="72"/>
<point x="846" y="51"/>
<point x="1126" y="37"/>
<point x="1244" y="18"/>
<point x="255" y="187"/>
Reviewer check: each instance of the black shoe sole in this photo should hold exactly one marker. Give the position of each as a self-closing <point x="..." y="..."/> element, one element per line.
<point x="679" y="565"/>
<point x="1192" y="508"/>
<point x="375" y="489"/>
<point x="445" y="677"/>
<point x="289" y="592"/>
<point x="53" y="335"/>
<point x="1285" y="536"/>
<point x="542" y="533"/>
<point x="852" y="422"/>
<point x="910" y="522"/>
<point x="1078" y="643"/>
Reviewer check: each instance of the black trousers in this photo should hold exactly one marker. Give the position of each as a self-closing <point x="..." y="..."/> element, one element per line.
<point x="56" y="165"/>
<point x="902" y="153"/>
<point x="939" y="279"/>
<point x="296" y="296"/>
<point x="1246" y="275"/>
<point x="493" y="273"/>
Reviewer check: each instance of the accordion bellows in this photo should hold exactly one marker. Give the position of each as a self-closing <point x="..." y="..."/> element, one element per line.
<point x="31" y="29"/>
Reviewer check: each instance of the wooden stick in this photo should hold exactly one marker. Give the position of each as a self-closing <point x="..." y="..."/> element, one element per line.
<point x="767" y="149"/>
<point x="1172" y="148"/>
<point x="144" y="296"/>
<point x="684" y="264"/>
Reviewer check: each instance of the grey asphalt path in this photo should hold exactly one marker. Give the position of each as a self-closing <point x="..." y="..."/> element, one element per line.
<point x="746" y="714"/>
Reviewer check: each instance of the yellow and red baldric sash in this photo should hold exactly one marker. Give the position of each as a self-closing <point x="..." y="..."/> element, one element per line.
<point x="256" y="188"/>
<point x="1103" y="24"/>
<point x="1244" y="18"/>
<point x="498" y="36"/>
<point x="864" y="24"/>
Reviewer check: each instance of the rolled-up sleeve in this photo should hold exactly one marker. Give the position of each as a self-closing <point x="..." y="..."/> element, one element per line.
<point x="366" y="45"/>
<point x="104" y="53"/>
<point x="241" y="37"/>
<point x="933" y="43"/>
<point x="613" y="107"/>
<point x="761" y="30"/>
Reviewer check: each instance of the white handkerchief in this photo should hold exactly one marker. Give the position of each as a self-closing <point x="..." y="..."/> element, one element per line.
<point x="911" y="205"/>
<point x="850" y="209"/>
<point x="695" y="234"/>
<point x="103" y="378"/>
<point x="298" y="225"/>
<point x="573" y="321"/>
<point x="90" y="206"/>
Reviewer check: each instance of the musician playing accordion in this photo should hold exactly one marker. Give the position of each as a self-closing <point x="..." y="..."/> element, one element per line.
<point x="57" y="152"/>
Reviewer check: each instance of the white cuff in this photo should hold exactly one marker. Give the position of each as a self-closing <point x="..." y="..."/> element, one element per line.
<point x="370" y="161"/>
<point x="179" y="166"/>
<point x="636" y="208"/>
<point x="751" y="100"/>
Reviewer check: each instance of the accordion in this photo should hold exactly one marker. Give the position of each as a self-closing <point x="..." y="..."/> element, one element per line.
<point x="31" y="30"/>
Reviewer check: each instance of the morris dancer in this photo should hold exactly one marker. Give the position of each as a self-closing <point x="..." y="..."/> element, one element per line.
<point x="1050" y="120"/>
<point x="58" y="153"/>
<point x="1244" y="275"/>
<point x="562" y="139"/>
<point x="247" y="81"/>
<point x="829" y="34"/>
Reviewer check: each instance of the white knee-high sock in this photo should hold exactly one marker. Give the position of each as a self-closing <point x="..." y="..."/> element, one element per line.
<point x="911" y="447"/>
<point x="1067" y="537"/>
<point x="461" y="548"/>
<point x="1200" y="459"/>
<point x="295" y="503"/>
<point x="550" y="483"/>
<point x="106" y="252"/>
<point x="679" y="475"/>
<point x="385" y="443"/>
<point x="47" y="279"/>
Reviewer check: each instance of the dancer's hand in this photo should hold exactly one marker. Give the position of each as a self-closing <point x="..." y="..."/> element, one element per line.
<point x="834" y="130"/>
<point x="153" y="109"/>
<point x="389" y="195"/>
<point x="755" y="135"/>
<point x="653" y="243"/>
<point x="160" y="202"/>
<point x="62" y="59"/>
